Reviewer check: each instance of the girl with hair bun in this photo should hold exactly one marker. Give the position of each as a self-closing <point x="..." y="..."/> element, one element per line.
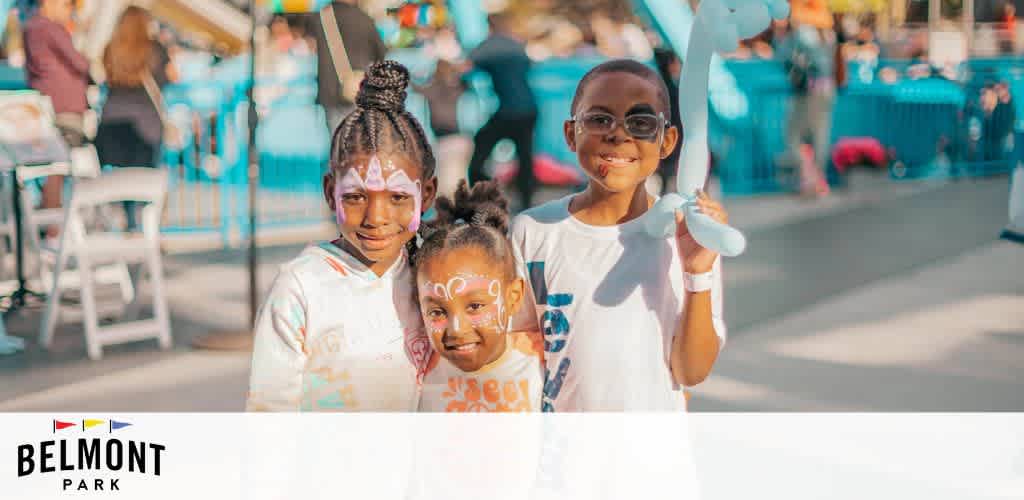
<point x="468" y="293"/>
<point x="341" y="330"/>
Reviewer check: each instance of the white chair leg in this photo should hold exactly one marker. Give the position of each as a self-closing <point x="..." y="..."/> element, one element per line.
<point x="125" y="282"/>
<point x="31" y="230"/>
<point x="160" y="311"/>
<point x="52" y="314"/>
<point x="91" y="318"/>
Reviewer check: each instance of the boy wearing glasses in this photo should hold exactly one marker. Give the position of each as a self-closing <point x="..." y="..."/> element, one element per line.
<point x="628" y="320"/>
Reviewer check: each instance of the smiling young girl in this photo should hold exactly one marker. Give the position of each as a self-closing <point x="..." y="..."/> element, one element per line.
<point x="341" y="329"/>
<point x="468" y="292"/>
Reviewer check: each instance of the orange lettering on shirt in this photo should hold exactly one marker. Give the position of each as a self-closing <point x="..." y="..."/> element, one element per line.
<point x="509" y="390"/>
<point x="510" y="396"/>
<point x="456" y="407"/>
<point x="472" y="390"/>
<point x="491" y="393"/>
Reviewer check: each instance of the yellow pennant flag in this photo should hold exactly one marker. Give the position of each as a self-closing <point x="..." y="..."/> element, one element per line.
<point x="93" y="423"/>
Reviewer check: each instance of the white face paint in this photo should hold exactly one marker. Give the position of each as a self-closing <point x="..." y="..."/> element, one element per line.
<point x="465" y="283"/>
<point x="397" y="182"/>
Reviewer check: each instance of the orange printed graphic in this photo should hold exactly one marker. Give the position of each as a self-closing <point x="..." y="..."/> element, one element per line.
<point x="529" y="343"/>
<point x="469" y="395"/>
<point x="336" y="266"/>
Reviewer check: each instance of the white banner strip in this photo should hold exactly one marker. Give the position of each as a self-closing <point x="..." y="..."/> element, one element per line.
<point x="579" y="456"/>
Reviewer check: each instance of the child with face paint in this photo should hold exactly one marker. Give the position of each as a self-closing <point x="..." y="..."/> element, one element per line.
<point x="468" y="292"/>
<point x="628" y="320"/>
<point x="341" y="330"/>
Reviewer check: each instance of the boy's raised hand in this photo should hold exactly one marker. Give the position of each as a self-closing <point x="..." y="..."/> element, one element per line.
<point x="697" y="259"/>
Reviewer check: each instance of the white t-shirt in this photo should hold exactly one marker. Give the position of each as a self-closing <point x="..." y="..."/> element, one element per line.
<point x="608" y="300"/>
<point x="511" y="383"/>
<point x="333" y="336"/>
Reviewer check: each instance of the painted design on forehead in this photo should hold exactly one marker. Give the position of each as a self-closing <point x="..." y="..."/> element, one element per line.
<point x="462" y="283"/>
<point x="397" y="182"/>
<point x="375" y="176"/>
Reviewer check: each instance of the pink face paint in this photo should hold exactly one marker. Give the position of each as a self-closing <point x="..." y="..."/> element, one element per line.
<point x="399" y="182"/>
<point x="349" y="183"/>
<point x="486" y="317"/>
<point x="375" y="176"/>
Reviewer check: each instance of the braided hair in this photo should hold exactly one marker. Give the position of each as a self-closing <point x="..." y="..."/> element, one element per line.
<point x="380" y="123"/>
<point x="476" y="217"/>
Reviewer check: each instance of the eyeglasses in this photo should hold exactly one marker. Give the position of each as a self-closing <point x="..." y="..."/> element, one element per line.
<point x="641" y="126"/>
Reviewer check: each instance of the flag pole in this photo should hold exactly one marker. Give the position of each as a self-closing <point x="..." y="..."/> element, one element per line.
<point x="243" y="340"/>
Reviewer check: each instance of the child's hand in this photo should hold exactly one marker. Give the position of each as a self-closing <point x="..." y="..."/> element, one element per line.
<point x="697" y="259"/>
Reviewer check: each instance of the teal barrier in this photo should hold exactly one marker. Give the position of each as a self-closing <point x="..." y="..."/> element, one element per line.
<point x="927" y="123"/>
<point x="12" y="78"/>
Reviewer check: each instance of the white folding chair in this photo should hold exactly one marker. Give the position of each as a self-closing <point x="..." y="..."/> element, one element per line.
<point x="86" y="250"/>
<point x="84" y="164"/>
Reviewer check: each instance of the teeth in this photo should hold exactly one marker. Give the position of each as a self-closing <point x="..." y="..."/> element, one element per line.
<point x="465" y="347"/>
<point x="616" y="159"/>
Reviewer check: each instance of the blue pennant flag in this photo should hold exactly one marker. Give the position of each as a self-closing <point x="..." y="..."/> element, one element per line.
<point x="115" y="425"/>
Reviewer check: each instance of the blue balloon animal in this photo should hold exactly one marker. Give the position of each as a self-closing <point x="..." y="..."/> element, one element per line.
<point x="718" y="26"/>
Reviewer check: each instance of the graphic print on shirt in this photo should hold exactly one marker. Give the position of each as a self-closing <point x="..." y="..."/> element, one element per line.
<point x="481" y="394"/>
<point x="418" y="350"/>
<point x="323" y="394"/>
<point x="328" y="387"/>
<point x="556" y="328"/>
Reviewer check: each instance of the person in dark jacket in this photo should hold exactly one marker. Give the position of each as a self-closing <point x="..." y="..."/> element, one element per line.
<point x="504" y="58"/>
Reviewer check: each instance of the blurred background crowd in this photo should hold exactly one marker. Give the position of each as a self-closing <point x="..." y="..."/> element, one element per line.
<point x="880" y="65"/>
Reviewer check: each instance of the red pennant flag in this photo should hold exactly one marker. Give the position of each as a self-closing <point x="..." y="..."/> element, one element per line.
<point x="58" y="425"/>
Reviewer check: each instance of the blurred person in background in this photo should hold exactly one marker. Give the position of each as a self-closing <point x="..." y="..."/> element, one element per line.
<point x="588" y="47"/>
<point x="999" y="120"/>
<point x="282" y="39"/>
<point x="503" y="56"/>
<point x="130" y="130"/>
<point x="453" y="148"/>
<point x="808" y="56"/>
<point x="1008" y="26"/>
<point x="620" y="39"/>
<point x="363" y="45"/>
<point x="57" y="70"/>
<point x="13" y="50"/>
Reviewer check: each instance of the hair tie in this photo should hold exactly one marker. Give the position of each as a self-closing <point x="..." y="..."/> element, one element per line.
<point x="459" y="221"/>
<point x="479" y="219"/>
<point x="426" y="230"/>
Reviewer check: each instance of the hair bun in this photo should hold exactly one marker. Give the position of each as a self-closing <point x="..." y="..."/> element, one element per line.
<point x="481" y="205"/>
<point x="384" y="87"/>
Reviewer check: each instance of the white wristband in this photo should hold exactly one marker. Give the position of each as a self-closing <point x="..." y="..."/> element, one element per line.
<point x="698" y="282"/>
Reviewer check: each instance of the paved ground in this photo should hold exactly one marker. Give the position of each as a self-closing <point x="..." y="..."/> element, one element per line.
<point x="892" y="297"/>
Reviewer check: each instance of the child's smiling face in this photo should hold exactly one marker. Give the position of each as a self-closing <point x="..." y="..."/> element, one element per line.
<point x="466" y="302"/>
<point x="378" y="200"/>
<point x="616" y="160"/>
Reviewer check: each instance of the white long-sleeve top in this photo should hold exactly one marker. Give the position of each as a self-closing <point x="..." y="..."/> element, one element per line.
<point x="333" y="336"/>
